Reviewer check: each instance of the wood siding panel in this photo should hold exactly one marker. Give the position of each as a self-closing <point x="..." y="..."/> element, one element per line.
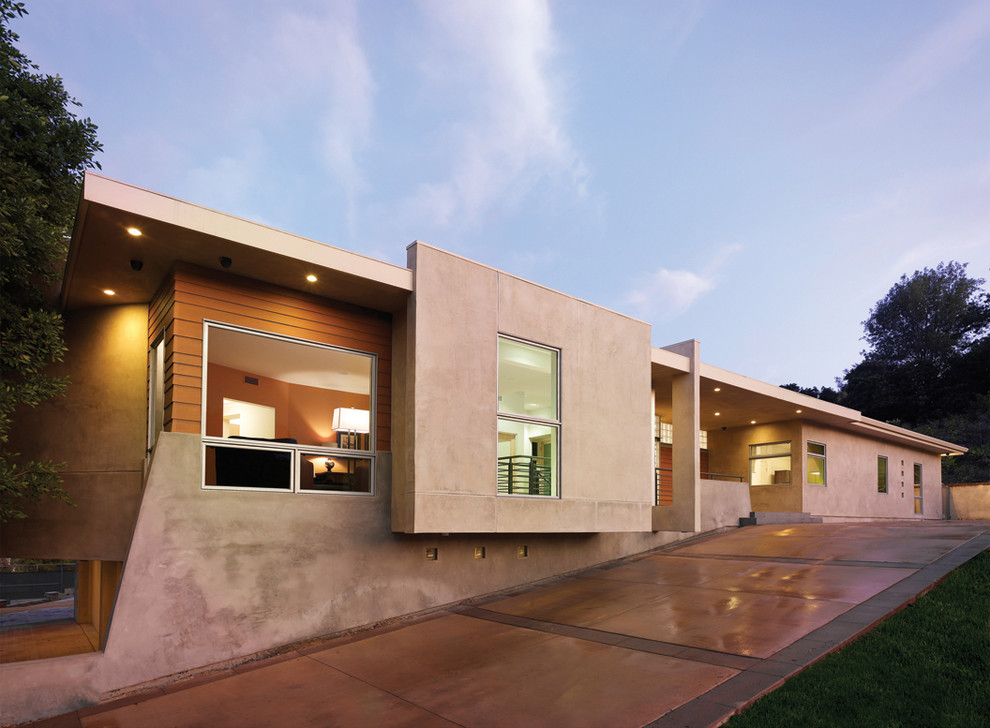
<point x="194" y="294"/>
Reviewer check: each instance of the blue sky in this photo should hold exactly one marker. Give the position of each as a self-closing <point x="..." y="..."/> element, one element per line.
<point x="755" y="175"/>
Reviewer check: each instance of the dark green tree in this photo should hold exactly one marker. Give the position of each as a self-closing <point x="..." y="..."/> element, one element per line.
<point x="929" y="319"/>
<point x="926" y="337"/>
<point x="44" y="150"/>
<point x="928" y="365"/>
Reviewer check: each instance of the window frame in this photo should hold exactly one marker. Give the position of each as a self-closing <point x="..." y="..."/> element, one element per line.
<point x="918" y="490"/>
<point x="553" y="424"/>
<point x="296" y="450"/>
<point x="790" y="456"/>
<point x="885" y="488"/>
<point x="818" y="456"/>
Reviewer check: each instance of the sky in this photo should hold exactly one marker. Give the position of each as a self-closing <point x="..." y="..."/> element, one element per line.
<point x="752" y="174"/>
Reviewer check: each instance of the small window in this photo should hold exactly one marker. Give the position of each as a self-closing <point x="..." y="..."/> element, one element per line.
<point x="917" y="489"/>
<point x="881" y="474"/>
<point x="770" y="463"/>
<point x="528" y="418"/>
<point x="816" y="464"/>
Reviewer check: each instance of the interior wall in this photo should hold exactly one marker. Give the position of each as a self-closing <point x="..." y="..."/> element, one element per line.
<point x="100" y="425"/>
<point x="301" y="411"/>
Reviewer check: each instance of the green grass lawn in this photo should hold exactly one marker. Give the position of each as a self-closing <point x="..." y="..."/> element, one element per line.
<point x="928" y="665"/>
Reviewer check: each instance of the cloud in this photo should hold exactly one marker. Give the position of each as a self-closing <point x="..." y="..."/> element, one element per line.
<point x="946" y="48"/>
<point x="326" y="53"/>
<point x="667" y="293"/>
<point x="492" y="65"/>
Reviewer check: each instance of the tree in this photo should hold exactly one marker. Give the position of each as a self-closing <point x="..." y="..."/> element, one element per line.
<point x="826" y="394"/>
<point x="928" y="319"/>
<point x="44" y="151"/>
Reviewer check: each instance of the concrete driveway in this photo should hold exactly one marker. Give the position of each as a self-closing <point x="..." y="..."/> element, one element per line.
<point x="683" y="636"/>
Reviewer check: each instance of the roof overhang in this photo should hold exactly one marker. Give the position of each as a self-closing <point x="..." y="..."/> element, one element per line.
<point x="101" y="252"/>
<point x="729" y="400"/>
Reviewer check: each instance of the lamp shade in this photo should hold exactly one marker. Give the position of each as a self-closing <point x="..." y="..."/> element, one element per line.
<point x="352" y="420"/>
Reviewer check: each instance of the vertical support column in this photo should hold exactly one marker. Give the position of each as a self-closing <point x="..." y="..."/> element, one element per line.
<point x="685" y="513"/>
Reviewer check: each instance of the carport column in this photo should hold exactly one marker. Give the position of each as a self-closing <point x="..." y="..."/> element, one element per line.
<point x="687" y="440"/>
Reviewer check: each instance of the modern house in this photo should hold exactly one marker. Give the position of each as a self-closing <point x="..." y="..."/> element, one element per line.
<point x="270" y="439"/>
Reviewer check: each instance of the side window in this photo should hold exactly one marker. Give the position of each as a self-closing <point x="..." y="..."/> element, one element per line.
<point x="528" y="418"/>
<point x="881" y="474"/>
<point x="156" y="392"/>
<point x="770" y="463"/>
<point x="816" y="464"/>
<point x="286" y="414"/>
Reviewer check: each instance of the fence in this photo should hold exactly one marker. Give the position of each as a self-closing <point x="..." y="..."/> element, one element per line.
<point x="31" y="581"/>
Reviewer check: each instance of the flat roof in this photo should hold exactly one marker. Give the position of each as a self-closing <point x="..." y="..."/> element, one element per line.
<point x="101" y="252"/>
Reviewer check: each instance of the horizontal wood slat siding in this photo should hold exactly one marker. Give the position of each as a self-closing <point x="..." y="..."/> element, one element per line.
<point x="200" y="294"/>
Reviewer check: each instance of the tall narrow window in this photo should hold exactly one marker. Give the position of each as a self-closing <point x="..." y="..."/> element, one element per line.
<point x="286" y="414"/>
<point x="770" y="463"/>
<point x="881" y="473"/>
<point x="917" y="488"/>
<point x="528" y="418"/>
<point x="816" y="463"/>
<point x="156" y="392"/>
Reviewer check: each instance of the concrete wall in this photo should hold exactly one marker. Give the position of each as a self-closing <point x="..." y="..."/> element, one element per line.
<point x="451" y="392"/>
<point x="851" y="477"/>
<point x="215" y="575"/>
<point x="98" y="429"/>
<point x="968" y="501"/>
<point x="723" y="503"/>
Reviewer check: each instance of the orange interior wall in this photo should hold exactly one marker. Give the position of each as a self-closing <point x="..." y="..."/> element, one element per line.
<point x="302" y="412"/>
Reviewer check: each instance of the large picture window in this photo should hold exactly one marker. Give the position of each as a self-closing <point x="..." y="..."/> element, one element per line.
<point x="770" y="463"/>
<point x="284" y="414"/>
<point x="528" y="418"/>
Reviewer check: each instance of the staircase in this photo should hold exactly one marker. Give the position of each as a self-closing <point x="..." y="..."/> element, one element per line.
<point x="762" y="518"/>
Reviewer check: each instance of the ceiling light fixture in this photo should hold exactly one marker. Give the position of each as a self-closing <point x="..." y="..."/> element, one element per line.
<point x="717" y="414"/>
<point x="311" y="278"/>
<point x="109" y="291"/>
<point x="752" y="422"/>
<point x="718" y="389"/>
<point x="136" y="232"/>
<point x="798" y="411"/>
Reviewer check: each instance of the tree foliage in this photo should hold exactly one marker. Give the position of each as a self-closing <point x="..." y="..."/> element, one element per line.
<point x="44" y="150"/>
<point x="928" y="320"/>
<point x="928" y="365"/>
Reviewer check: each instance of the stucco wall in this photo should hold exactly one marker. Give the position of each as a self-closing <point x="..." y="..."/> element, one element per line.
<point x="215" y="575"/>
<point x="969" y="501"/>
<point x="98" y="429"/>
<point x="851" y="478"/>
<point x="723" y="503"/>
<point x="451" y="390"/>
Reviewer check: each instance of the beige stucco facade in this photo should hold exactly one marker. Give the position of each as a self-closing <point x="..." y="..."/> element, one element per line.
<point x="450" y="394"/>
<point x="211" y="576"/>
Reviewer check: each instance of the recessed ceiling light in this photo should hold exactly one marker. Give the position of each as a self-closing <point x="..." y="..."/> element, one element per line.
<point x="134" y="231"/>
<point x="717" y="414"/>
<point x="798" y="411"/>
<point x="109" y="291"/>
<point x="752" y="422"/>
<point x="718" y="389"/>
<point x="311" y="278"/>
